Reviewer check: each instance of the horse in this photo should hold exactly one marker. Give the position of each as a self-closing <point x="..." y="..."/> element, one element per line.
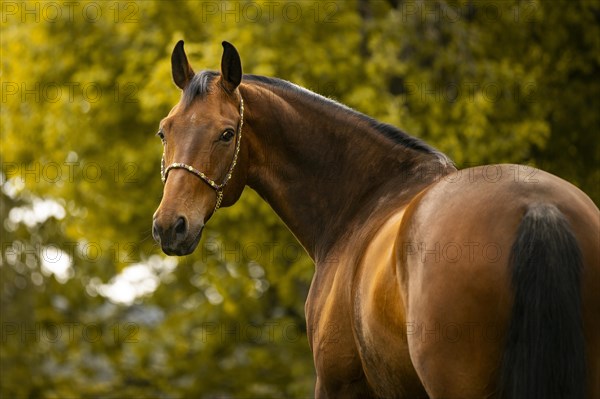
<point x="430" y="281"/>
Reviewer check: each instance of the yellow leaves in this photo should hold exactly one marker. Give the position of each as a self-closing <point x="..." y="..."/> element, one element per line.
<point x="159" y="93"/>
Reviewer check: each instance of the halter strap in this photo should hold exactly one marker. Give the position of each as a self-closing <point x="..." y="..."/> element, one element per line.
<point x="164" y="171"/>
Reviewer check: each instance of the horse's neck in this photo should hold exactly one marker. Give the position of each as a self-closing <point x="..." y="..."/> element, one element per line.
<point x="325" y="171"/>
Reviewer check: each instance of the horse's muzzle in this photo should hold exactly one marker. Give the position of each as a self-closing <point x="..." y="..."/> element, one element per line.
<point x="176" y="237"/>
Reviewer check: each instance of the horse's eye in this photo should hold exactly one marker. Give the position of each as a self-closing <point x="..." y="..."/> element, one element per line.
<point x="161" y="135"/>
<point x="227" y="135"/>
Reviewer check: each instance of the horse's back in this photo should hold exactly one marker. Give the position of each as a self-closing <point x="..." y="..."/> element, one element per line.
<point x="454" y="253"/>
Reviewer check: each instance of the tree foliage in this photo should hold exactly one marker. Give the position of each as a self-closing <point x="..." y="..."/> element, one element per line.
<point x="84" y="85"/>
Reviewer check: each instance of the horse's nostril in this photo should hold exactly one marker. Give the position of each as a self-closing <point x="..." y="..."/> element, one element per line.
<point x="155" y="232"/>
<point x="180" y="227"/>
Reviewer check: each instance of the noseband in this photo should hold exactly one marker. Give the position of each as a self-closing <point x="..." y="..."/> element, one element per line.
<point x="164" y="172"/>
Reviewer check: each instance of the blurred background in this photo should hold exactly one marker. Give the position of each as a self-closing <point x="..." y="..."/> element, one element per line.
<point x="90" y="307"/>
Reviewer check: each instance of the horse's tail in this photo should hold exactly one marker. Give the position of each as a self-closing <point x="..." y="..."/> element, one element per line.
<point x="544" y="356"/>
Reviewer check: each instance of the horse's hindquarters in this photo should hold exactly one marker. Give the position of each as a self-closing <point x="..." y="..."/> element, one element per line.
<point x="454" y="255"/>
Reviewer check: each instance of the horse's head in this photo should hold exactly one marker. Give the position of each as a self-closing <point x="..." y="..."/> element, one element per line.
<point x="203" y="162"/>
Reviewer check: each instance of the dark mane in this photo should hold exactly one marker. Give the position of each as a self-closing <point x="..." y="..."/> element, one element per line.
<point x="393" y="133"/>
<point x="201" y="82"/>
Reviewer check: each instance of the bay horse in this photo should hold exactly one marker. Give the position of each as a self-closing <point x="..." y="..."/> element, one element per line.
<point x="430" y="282"/>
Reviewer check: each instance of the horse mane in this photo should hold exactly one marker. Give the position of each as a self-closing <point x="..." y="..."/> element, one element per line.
<point x="199" y="86"/>
<point x="201" y="83"/>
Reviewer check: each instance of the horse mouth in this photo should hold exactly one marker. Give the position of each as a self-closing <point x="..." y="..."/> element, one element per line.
<point x="184" y="248"/>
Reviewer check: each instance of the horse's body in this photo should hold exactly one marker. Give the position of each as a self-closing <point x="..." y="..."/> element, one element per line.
<point x="435" y="302"/>
<point x="429" y="282"/>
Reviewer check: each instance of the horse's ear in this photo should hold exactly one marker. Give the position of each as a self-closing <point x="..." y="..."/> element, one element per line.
<point x="231" y="68"/>
<point x="180" y="67"/>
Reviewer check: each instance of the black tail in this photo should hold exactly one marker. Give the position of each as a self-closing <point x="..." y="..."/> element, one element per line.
<point x="544" y="356"/>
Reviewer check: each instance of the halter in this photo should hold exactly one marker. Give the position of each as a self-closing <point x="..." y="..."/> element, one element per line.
<point x="164" y="172"/>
